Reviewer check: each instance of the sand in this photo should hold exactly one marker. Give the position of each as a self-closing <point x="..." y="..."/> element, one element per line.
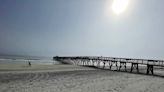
<point x="69" y="78"/>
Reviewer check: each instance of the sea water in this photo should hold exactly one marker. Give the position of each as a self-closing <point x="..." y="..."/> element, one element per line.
<point x="26" y="59"/>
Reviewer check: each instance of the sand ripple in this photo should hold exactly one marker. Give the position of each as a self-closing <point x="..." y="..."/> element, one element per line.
<point x="79" y="81"/>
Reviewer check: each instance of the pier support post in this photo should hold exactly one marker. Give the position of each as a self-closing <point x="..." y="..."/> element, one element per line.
<point x="83" y="62"/>
<point x="104" y="62"/>
<point x="122" y="64"/>
<point x="74" y="61"/>
<point x="134" y="65"/>
<point x="113" y="63"/>
<point x="150" y="68"/>
<point x="87" y="62"/>
<point x="78" y="62"/>
<point x="109" y="62"/>
<point x="98" y="63"/>
<point x="92" y="63"/>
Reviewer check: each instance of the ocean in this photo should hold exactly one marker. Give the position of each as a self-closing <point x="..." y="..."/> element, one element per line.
<point x="15" y="59"/>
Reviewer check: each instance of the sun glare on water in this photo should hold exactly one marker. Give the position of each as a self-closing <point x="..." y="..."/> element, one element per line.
<point x="119" y="6"/>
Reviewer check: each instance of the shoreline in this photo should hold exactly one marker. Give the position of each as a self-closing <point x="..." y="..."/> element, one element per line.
<point x="14" y="68"/>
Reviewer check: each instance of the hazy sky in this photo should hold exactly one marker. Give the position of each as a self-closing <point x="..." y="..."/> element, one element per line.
<point x="82" y="27"/>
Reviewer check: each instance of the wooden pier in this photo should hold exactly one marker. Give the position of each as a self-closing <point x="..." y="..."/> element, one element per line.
<point x="118" y="63"/>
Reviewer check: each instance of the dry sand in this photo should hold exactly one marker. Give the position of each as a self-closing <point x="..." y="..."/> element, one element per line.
<point x="69" y="78"/>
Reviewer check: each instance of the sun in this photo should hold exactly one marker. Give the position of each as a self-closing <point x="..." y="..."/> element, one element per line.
<point x="119" y="6"/>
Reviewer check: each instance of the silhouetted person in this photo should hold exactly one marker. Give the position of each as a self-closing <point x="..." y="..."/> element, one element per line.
<point x="29" y="63"/>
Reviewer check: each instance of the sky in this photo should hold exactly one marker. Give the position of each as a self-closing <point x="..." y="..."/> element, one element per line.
<point x="82" y="28"/>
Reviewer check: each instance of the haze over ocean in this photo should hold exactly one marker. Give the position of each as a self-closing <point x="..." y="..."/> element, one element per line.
<point x="81" y="27"/>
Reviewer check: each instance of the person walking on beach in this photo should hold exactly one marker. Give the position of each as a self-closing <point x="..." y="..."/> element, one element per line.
<point x="29" y="63"/>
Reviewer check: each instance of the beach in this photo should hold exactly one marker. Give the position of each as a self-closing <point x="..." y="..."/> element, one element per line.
<point x="71" y="78"/>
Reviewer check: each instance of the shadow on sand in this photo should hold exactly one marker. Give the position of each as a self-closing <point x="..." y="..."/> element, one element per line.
<point x="142" y="71"/>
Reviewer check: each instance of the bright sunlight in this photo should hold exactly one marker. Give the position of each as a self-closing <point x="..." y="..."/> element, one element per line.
<point x="119" y="6"/>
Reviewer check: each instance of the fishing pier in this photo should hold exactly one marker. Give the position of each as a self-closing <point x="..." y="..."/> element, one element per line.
<point x="118" y="63"/>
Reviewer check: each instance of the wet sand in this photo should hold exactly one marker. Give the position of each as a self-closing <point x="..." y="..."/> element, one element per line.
<point x="69" y="78"/>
